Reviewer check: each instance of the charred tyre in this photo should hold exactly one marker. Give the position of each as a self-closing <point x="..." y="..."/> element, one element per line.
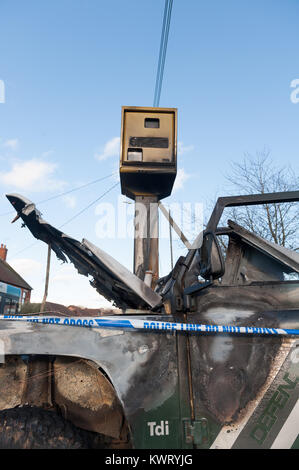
<point x="35" y="428"/>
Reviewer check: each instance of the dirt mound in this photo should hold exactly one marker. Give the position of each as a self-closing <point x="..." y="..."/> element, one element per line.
<point x="91" y="312"/>
<point x="73" y="310"/>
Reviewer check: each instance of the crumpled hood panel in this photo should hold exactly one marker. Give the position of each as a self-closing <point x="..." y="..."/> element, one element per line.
<point x="112" y="280"/>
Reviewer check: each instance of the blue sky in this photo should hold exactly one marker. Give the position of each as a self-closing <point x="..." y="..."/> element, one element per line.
<point x="69" y="65"/>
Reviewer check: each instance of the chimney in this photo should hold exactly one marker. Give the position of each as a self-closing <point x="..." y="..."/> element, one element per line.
<point x="3" y="252"/>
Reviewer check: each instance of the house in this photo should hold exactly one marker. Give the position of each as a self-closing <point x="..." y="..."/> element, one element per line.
<point x="14" y="290"/>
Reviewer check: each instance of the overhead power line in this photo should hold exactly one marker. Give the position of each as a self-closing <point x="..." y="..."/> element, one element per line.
<point x="77" y="188"/>
<point x="74" y="217"/>
<point x="56" y="196"/>
<point x="24" y="249"/>
<point x="89" y="205"/>
<point x="162" y="51"/>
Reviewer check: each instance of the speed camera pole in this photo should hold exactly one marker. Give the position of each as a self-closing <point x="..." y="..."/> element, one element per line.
<point x="147" y="173"/>
<point x="146" y="239"/>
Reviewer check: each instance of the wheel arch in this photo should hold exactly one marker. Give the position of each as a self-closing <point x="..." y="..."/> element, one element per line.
<point x="74" y="387"/>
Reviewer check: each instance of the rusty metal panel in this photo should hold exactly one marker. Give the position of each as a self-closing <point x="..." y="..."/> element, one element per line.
<point x="282" y="255"/>
<point x="143" y="368"/>
<point x="227" y="372"/>
<point x="38" y="384"/>
<point x="230" y="373"/>
<point x="12" y="382"/>
<point x="86" y="397"/>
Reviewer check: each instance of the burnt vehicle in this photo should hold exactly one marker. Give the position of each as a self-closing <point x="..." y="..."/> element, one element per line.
<point x="163" y="389"/>
<point x="214" y="364"/>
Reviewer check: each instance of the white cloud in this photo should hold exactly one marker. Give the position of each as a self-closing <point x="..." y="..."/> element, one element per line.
<point x="184" y="148"/>
<point x="11" y="144"/>
<point x="65" y="272"/>
<point x="32" y="175"/>
<point x="180" y="180"/>
<point x="111" y="149"/>
<point x="26" y="266"/>
<point x="67" y="287"/>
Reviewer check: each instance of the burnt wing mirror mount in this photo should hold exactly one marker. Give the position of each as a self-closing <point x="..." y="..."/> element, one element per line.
<point x="211" y="257"/>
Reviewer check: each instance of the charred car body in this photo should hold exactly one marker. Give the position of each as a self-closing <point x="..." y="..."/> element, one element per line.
<point x="119" y="388"/>
<point x="157" y="389"/>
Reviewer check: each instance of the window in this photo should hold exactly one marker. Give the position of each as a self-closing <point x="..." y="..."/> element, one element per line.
<point x="152" y="123"/>
<point x="11" y="307"/>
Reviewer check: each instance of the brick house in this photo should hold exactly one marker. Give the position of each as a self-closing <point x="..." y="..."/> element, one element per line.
<point x="14" y="290"/>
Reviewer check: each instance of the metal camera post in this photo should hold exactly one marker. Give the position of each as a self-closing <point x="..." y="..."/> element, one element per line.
<point x="147" y="172"/>
<point x="146" y="239"/>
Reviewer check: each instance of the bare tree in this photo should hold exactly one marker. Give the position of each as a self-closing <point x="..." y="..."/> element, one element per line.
<point x="259" y="174"/>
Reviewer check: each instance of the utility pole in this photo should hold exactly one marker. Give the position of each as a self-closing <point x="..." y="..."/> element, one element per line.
<point x="47" y="279"/>
<point x="170" y="242"/>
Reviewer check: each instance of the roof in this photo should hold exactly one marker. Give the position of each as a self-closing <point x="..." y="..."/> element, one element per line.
<point x="10" y="276"/>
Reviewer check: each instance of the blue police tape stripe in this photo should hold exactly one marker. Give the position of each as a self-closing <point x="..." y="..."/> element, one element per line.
<point x="68" y="321"/>
<point x="291" y="331"/>
<point x="114" y="324"/>
<point x="102" y="322"/>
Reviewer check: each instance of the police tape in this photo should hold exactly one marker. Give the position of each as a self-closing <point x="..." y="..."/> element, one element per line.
<point x="146" y="325"/>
